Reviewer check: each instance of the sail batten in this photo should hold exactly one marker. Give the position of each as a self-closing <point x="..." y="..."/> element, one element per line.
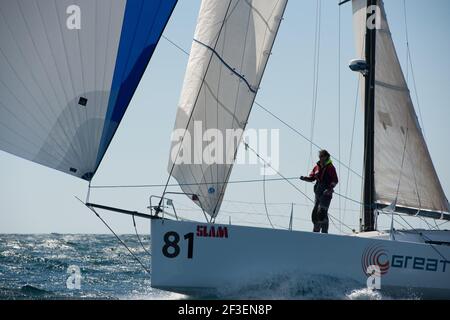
<point x="403" y="169"/>
<point x="229" y="53"/>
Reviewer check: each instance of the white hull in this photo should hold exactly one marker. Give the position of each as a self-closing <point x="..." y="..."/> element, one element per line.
<point x="246" y="255"/>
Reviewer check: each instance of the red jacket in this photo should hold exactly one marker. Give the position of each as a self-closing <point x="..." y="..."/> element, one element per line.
<point x="326" y="177"/>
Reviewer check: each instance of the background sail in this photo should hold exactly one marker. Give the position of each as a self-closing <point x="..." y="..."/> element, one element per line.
<point x="398" y="136"/>
<point x="65" y="90"/>
<point x="232" y="44"/>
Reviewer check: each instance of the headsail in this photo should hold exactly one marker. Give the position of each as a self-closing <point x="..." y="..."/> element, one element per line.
<point x="404" y="171"/>
<point x="232" y="44"/>
<point x="68" y="70"/>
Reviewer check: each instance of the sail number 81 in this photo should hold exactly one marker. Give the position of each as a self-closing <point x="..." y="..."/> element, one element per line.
<point x="171" y="249"/>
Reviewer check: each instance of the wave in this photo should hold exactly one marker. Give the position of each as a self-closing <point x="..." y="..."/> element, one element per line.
<point x="295" y="286"/>
<point x="24" y="292"/>
<point x="35" y="267"/>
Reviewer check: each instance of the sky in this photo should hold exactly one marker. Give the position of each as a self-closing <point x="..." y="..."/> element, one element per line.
<point x="35" y="199"/>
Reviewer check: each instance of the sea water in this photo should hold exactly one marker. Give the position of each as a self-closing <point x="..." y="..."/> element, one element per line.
<point x="62" y="266"/>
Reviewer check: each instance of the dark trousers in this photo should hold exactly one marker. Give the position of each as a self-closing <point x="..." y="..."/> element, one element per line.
<point x="319" y="215"/>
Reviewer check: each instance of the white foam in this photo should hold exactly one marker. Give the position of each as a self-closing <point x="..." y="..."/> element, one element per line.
<point x="365" y="294"/>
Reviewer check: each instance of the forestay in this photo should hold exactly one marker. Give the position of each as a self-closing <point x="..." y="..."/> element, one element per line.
<point x="404" y="171"/>
<point x="68" y="70"/>
<point x="233" y="41"/>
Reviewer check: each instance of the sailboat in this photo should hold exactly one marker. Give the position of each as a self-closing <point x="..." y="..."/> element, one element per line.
<point x="231" y="48"/>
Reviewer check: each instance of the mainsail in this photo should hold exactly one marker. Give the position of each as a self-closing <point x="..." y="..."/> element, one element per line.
<point x="68" y="70"/>
<point x="403" y="170"/>
<point x="232" y="44"/>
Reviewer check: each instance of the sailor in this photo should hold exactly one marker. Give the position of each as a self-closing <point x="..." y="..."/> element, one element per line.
<point x="324" y="174"/>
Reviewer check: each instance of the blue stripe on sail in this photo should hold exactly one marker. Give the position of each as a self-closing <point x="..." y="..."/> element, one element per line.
<point x="143" y="24"/>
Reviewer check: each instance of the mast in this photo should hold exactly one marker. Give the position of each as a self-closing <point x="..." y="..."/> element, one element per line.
<point x="386" y="126"/>
<point x="368" y="220"/>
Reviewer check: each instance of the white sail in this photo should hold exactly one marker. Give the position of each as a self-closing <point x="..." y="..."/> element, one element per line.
<point x="232" y="44"/>
<point x="68" y="71"/>
<point x="404" y="171"/>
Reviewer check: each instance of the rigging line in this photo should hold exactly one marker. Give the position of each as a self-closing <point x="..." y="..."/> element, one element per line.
<point x="254" y="212"/>
<point x="223" y="26"/>
<point x="268" y="203"/>
<point x="334" y="224"/>
<point x="415" y="181"/>
<point x="441" y="224"/>
<point x="279" y="173"/>
<point x="407" y="41"/>
<point x="288" y="181"/>
<point x="117" y="237"/>
<point x="416" y="94"/>
<point x="340" y="223"/>
<point x="140" y="73"/>
<point x="175" y="45"/>
<point x="436" y="225"/>
<point x="254" y="97"/>
<point x="233" y="114"/>
<point x="402" y="165"/>
<point x="303" y="136"/>
<point x="401" y="224"/>
<point x="235" y="107"/>
<point x="138" y="237"/>
<point x="426" y="222"/>
<point x="350" y="199"/>
<point x="264" y="196"/>
<point x="352" y="142"/>
<point x="228" y="14"/>
<point x="401" y="170"/>
<point x="275" y="116"/>
<point x="315" y="75"/>
<point x="283" y="178"/>
<point x="424" y="237"/>
<point x="195" y="104"/>
<point x="339" y="107"/>
<point x="409" y="63"/>
<point x="251" y="213"/>
<point x="187" y="184"/>
<point x="396" y="221"/>
<point x="381" y="211"/>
